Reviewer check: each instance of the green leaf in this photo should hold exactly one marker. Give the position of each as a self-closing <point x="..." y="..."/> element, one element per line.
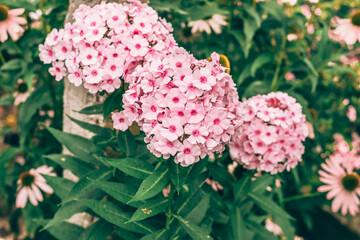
<point x="127" y="143"/>
<point x="61" y="186"/>
<point x="274" y="9"/>
<point x="92" y="110"/>
<point x="242" y="187"/>
<point x="250" y="28"/>
<point x="115" y="215"/>
<point x="28" y="109"/>
<point x="260" y="230"/>
<point x="100" y="230"/>
<point x="120" y="191"/>
<point x="178" y="174"/>
<point x="153" y="184"/>
<point x="29" y="79"/>
<point x="75" y="165"/>
<point x="286" y="226"/>
<point x="85" y="185"/>
<point x="260" y="61"/>
<point x="112" y="103"/>
<point x="268" y="205"/>
<point x="259" y="185"/>
<point x="244" y="74"/>
<point x="79" y="146"/>
<point x="6" y="100"/>
<point x="65" y="231"/>
<point x="199" y="13"/>
<point x="253" y="13"/>
<point x="90" y="127"/>
<point x="14" y="64"/>
<point x="5" y="158"/>
<point x="161" y="234"/>
<point x="237" y="224"/>
<point x="255" y="88"/>
<point x="197" y="214"/>
<point x="149" y="209"/>
<point x="65" y="212"/>
<point x="134" y="167"/>
<point x="194" y="231"/>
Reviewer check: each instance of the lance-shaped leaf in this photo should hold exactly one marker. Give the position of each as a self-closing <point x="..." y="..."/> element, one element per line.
<point x="162" y="234"/>
<point x="74" y="164"/>
<point x="178" y="174"/>
<point x="111" y="103"/>
<point x="99" y="231"/>
<point x="134" y="167"/>
<point x="79" y="146"/>
<point x="149" y="209"/>
<point x="61" y="186"/>
<point x="193" y="230"/>
<point x="115" y="215"/>
<point x="92" y="110"/>
<point x="90" y="127"/>
<point x="120" y="191"/>
<point x="65" y="212"/>
<point x="65" y="231"/>
<point x="5" y="158"/>
<point x="85" y="185"/>
<point x="268" y="205"/>
<point x="153" y="184"/>
<point x="237" y="224"/>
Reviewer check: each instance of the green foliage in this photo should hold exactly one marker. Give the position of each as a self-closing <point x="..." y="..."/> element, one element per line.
<point x="136" y="195"/>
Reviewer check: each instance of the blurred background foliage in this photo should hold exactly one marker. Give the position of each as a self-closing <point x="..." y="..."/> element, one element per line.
<point x="270" y="46"/>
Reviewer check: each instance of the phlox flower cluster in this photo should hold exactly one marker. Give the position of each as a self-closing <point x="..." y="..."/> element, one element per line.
<point x="272" y="134"/>
<point x="187" y="108"/>
<point x="105" y="43"/>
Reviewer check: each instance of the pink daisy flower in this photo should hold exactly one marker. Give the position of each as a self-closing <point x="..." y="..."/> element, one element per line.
<point x="349" y="29"/>
<point x="29" y="185"/>
<point x="10" y="23"/>
<point x="342" y="185"/>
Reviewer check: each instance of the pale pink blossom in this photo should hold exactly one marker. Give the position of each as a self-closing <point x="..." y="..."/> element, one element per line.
<point x="215" y="23"/>
<point x="348" y="30"/>
<point x="29" y="185"/>
<point x="10" y="22"/>
<point x="341" y="183"/>
<point x="351" y="114"/>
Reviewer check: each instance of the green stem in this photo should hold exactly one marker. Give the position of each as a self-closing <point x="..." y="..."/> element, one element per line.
<point x="303" y="196"/>
<point x="273" y="86"/>
<point x="169" y="212"/>
<point x="19" y="51"/>
<point x="2" y="58"/>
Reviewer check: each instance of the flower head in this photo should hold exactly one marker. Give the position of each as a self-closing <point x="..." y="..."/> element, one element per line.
<point x="109" y="39"/>
<point x="271" y="137"/>
<point x="348" y="30"/>
<point x="29" y="185"/>
<point x="342" y="183"/>
<point x="10" y="23"/>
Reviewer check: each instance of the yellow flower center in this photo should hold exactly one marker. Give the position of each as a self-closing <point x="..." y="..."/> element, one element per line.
<point x="224" y="61"/>
<point x="27" y="178"/>
<point x="4" y="12"/>
<point x="350" y="182"/>
<point x="355" y="18"/>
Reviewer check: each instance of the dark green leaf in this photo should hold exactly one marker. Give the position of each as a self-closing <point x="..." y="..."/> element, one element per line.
<point x="268" y="205"/>
<point x="115" y="215"/>
<point x="112" y="103"/>
<point x="259" y="62"/>
<point x="61" y="186"/>
<point x="161" y="234"/>
<point x="85" y="185"/>
<point x="5" y="158"/>
<point x="237" y="224"/>
<point x="132" y="166"/>
<point x="194" y="231"/>
<point x="149" y="209"/>
<point x="14" y="64"/>
<point x="178" y="174"/>
<point x="153" y="184"/>
<point x="90" y="127"/>
<point x="255" y="88"/>
<point x="92" y="110"/>
<point x="75" y="165"/>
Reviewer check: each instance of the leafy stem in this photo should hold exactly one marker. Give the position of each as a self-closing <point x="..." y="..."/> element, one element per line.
<point x="273" y="86"/>
<point x="303" y="196"/>
<point x="2" y="59"/>
<point x="169" y="211"/>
